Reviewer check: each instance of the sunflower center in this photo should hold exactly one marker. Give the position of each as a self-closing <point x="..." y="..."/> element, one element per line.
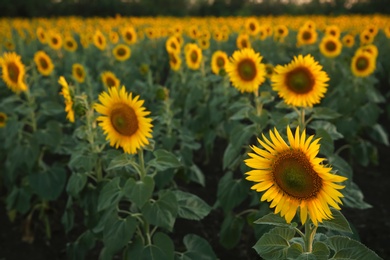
<point x="2" y="118"/>
<point x="54" y="41"/>
<point x="300" y="80"/>
<point x="110" y="82"/>
<point x="306" y="35"/>
<point x="124" y="120"/>
<point x="43" y="63"/>
<point x="129" y="36"/>
<point x="294" y="174"/>
<point x="69" y="44"/>
<point x="100" y="40"/>
<point x="194" y="56"/>
<point x="220" y="62"/>
<point x="173" y="58"/>
<point x="13" y="72"/>
<point x="362" y="63"/>
<point x="121" y="52"/>
<point x="173" y="46"/>
<point x="330" y="46"/>
<point x="252" y="27"/>
<point x="280" y="31"/>
<point x="247" y="69"/>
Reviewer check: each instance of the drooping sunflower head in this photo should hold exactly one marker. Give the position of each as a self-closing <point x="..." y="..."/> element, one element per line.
<point x="363" y="64"/>
<point x="123" y="120"/>
<point x="219" y="59"/>
<point x="43" y="62"/>
<point x="292" y="177"/>
<point x="245" y="70"/>
<point x="110" y="80"/>
<point x="129" y="35"/>
<point x="121" y="52"/>
<point x="193" y="55"/>
<point x="243" y="41"/>
<point x="301" y="83"/>
<point x="3" y="119"/>
<point x="99" y="40"/>
<point x="252" y="26"/>
<point x="174" y="61"/>
<point x="68" y="100"/>
<point x="70" y="44"/>
<point x="78" y="72"/>
<point x="330" y="46"/>
<point x="13" y="71"/>
<point x="348" y="40"/>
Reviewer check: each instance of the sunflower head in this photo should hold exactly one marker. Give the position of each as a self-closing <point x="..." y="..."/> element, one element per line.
<point x="330" y="46"/>
<point x="99" y="40"/>
<point x="193" y="55"/>
<point x="66" y="93"/>
<point x="13" y="71"/>
<point x="348" y="40"/>
<point x="252" y="26"/>
<point x="55" y="40"/>
<point x="70" y="44"/>
<point x="3" y="119"/>
<point x="245" y="70"/>
<point x="306" y="36"/>
<point x="172" y="45"/>
<point x="219" y="59"/>
<point x="121" y="52"/>
<point x="110" y="80"/>
<point x="243" y="41"/>
<point x="363" y="64"/>
<point x="43" y="62"/>
<point x="292" y="177"/>
<point x="129" y="35"/>
<point x="301" y="83"/>
<point x="123" y="120"/>
<point x="174" y="61"/>
<point x="78" y="72"/>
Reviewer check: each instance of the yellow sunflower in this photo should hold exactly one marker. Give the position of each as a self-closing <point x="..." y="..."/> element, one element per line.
<point x="281" y="32"/>
<point x="363" y="64"/>
<point x="330" y="46"/>
<point x="204" y="43"/>
<point x="78" y="72"/>
<point x="55" y="40"/>
<point x="243" y="41"/>
<point x="124" y="120"/>
<point x="70" y="44"/>
<point x="300" y="83"/>
<point x="269" y="70"/>
<point x="172" y="45"/>
<point x="65" y="92"/>
<point x="129" y="35"/>
<point x="3" y="119"/>
<point x="306" y="36"/>
<point x="370" y="48"/>
<point x="292" y="177"/>
<point x="219" y="59"/>
<point x="41" y="34"/>
<point x="245" y="70"/>
<point x="174" y="61"/>
<point x="114" y="37"/>
<point x="348" y="40"/>
<point x="121" y="52"/>
<point x="43" y="62"/>
<point x="366" y="37"/>
<point x="332" y="30"/>
<point x="252" y="26"/>
<point x="99" y="40"/>
<point x="13" y="71"/>
<point x="110" y="80"/>
<point x="193" y="55"/>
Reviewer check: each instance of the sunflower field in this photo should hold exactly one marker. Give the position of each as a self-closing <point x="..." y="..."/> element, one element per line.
<point x="181" y="138"/>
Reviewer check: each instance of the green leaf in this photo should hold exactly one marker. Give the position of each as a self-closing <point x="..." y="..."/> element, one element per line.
<point x="79" y="249"/>
<point x="110" y="194"/>
<point x="274" y="244"/>
<point x="134" y="249"/>
<point x="140" y="191"/>
<point x="51" y="108"/>
<point x="368" y="114"/>
<point x="326" y="142"/>
<point x="153" y="252"/>
<point x="49" y="184"/>
<point x="346" y="248"/>
<point x="273" y="219"/>
<point x="379" y="134"/>
<point x="191" y="206"/>
<point x="163" y="211"/>
<point x="121" y="161"/>
<point x="321" y="251"/>
<point x="165" y="243"/>
<point x="76" y="183"/>
<point x="197" y="248"/>
<point x="118" y="233"/>
<point x="324" y="113"/>
<point x="338" y="222"/>
<point x="164" y="160"/>
<point x="196" y="175"/>
<point x="231" y="192"/>
<point x="231" y="231"/>
<point x="328" y="127"/>
<point x="354" y="198"/>
<point x="19" y="199"/>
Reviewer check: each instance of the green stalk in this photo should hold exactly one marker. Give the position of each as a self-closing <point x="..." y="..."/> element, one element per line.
<point x="142" y="171"/>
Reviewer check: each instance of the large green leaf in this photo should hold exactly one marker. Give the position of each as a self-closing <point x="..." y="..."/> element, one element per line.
<point x="273" y="219"/>
<point x="191" y="206"/>
<point x="274" y="244"/>
<point x="324" y="113"/>
<point x="140" y="191"/>
<point x="76" y="183"/>
<point x="338" y="222"/>
<point x="164" y="160"/>
<point x="231" y="231"/>
<point x="163" y="211"/>
<point x="48" y="184"/>
<point x="346" y="248"/>
<point x="118" y="232"/>
<point x="110" y="194"/>
<point x="231" y="192"/>
<point x="165" y="243"/>
<point x="197" y="248"/>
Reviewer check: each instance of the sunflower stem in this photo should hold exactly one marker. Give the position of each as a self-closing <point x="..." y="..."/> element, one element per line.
<point x="302" y="119"/>
<point x="309" y="236"/>
<point x="259" y="104"/>
<point x="31" y="102"/>
<point x="142" y="171"/>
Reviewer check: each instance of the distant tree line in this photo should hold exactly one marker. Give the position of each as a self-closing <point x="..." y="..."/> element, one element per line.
<point x="50" y="8"/>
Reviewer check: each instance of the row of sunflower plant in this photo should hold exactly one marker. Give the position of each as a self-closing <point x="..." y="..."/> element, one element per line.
<point x="124" y="118"/>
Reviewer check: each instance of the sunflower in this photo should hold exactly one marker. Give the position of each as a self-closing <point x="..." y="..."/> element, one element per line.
<point x="269" y="70"/>
<point x="292" y="177"/>
<point x="174" y="61"/>
<point x="114" y="37"/>
<point x="330" y="46"/>
<point x="9" y="45"/>
<point x="263" y="33"/>
<point x="281" y="31"/>
<point x="363" y="64"/>
<point x="386" y="30"/>
<point x="124" y="120"/>
<point x="129" y="35"/>
<point x="172" y="45"/>
<point x="78" y="72"/>
<point x="366" y="37"/>
<point x="121" y="52"/>
<point x="41" y="34"/>
<point x="245" y="70"/>
<point x="370" y="48"/>
<point x="309" y="24"/>
<point x="301" y="82"/>
<point x="65" y="92"/>
<point x="252" y="26"/>
<point x="306" y="36"/>
<point x="3" y="119"/>
<point x="243" y="41"/>
<point x="332" y="30"/>
<point x="348" y="40"/>
<point x="109" y="79"/>
<point x="193" y="32"/>
<point x="99" y="40"/>
<point x="43" y="62"/>
<point x="70" y="44"/>
<point x="55" y="40"/>
<point x="204" y="43"/>
<point x="219" y="59"/>
<point x="193" y="55"/>
<point x="13" y="71"/>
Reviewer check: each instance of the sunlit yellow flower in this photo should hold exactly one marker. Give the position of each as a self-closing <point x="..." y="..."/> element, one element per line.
<point x="3" y="119"/>
<point x="366" y="37"/>
<point x="372" y="29"/>
<point x="13" y="71"/>
<point x="363" y="64"/>
<point x="269" y="70"/>
<point x="70" y="44"/>
<point x="300" y="83"/>
<point x="172" y="45"/>
<point x="193" y="55"/>
<point x="203" y="43"/>
<point x="292" y="177"/>
<point x="243" y="41"/>
<point x="348" y="40"/>
<point x="309" y="24"/>
<point x="41" y="34"/>
<point x="65" y="92"/>
<point x="43" y="62"/>
<point x="99" y="40"/>
<point x="370" y="48"/>
<point x="121" y="52"/>
<point x="245" y="70"/>
<point x="252" y="26"/>
<point x="55" y="40"/>
<point x="193" y="31"/>
<point x="78" y="72"/>
<point x="123" y="120"/>
<point x="114" y="37"/>
<point x="332" y="30"/>
<point x="330" y="46"/>
<point x="110" y="80"/>
<point x="129" y="35"/>
<point x="219" y="59"/>
<point x="306" y="36"/>
<point x="174" y="61"/>
<point x="281" y="32"/>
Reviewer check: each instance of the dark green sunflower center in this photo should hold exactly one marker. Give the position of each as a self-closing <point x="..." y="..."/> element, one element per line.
<point x="80" y="72"/>
<point x="124" y="120"/>
<point x="121" y="52"/>
<point x="13" y="72"/>
<point x="252" y="27"/>
<point x="244" y="43"/>
<point x="173" y="59"/>
<point x="220" y="62"/>
<point x="247" y="69"/>
<point x="110" y="82"/>
<point x="362" y="63"/>
<point x="2" y="118"/>
<point x="54" y="40"/>
<point x="69" y="44"/>
<point x="294" y="174"/>
<point x="330" y="46"/>
<point x="300" y="80"/>
<point x="43" y="62"/>
<point x="306" y="35"/>
<point x="194" y="56"/>
<point x="129" y="36"/>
